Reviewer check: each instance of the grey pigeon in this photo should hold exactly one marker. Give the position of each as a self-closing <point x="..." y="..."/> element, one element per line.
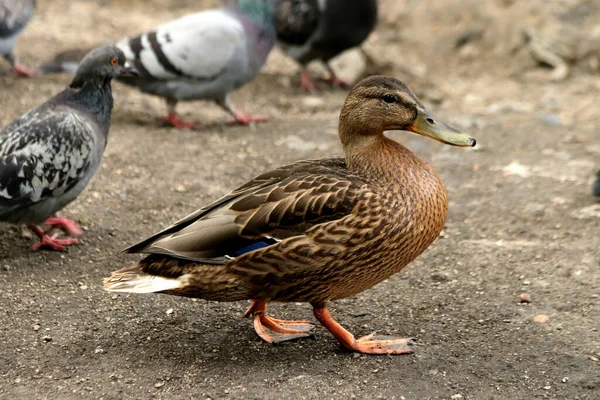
<point x="49" y="154"/>
<point x="201" y="56"/>
<point x="321" y="29"/>
<point x="14" y="16"/>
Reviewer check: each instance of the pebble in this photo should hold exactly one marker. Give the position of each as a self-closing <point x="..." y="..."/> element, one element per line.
<point x="169" y="311"/>
<point x="47" y="339"/>
<point x="456" y="396"/>
<point x="159" y="384"/>
<point x="541" y="318"/>
<point x="36" y="327"/>
<point x="524" y="298"/>
<point x="550" y="119"/>
<point x="440" y="277"/>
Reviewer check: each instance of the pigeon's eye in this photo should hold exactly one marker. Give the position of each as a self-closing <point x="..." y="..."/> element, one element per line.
<point x="114" y="61"/>
<point x="390" y="98"/>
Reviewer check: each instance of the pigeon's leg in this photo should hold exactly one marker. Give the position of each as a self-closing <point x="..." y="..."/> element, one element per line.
<point x="369" y="344"/>
<point x="172" y="119"/>
<point x="334" y="80"/>
<point x="239" y="117"/>
<point x="306" y="84"/>
<point x="51" y="242"/>
<point x="273" y="330"/>
<point x="18" y="68"/>
<point x="65" y="224"/>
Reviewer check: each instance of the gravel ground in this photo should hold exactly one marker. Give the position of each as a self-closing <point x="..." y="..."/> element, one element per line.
<point x="522" y="223"/>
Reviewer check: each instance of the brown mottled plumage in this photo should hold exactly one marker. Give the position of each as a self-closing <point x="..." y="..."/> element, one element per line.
<point x="321" y="229"/>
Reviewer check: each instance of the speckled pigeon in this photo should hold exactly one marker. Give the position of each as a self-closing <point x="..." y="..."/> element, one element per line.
<point x="201" y="56"/>
<point x="14" y="16"/>
<point x="49" y="154"/>
<point x="321" y="29"/>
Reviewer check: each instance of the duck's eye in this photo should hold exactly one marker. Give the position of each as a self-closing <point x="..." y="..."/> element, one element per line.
<point x="390" y="98"/>
<point x="114" y="61"/>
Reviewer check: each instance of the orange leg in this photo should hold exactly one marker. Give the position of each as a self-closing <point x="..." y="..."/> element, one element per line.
<point x="369" y="344"/>
<point x="273" y="330"/>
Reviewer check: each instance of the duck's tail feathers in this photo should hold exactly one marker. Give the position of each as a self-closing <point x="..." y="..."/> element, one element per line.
<point x="63" y="62"/>
<point x="133" y="280"/>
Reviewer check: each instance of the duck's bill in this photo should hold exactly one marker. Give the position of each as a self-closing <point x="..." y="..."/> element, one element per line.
<point x="428" y="125"/>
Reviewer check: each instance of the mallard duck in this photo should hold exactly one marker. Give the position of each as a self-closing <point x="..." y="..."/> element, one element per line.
<point x="312" y="231"/>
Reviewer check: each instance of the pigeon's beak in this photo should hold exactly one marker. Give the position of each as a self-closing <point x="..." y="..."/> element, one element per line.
<point x="129" y="70"/>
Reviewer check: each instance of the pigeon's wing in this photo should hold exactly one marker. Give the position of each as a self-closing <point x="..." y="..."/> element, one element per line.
<point x="43" y="154"/>
<point x="14" y="15"/>
<point x="198" y="46"/>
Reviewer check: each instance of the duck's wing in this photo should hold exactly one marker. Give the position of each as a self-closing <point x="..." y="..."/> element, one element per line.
<point x="43" y="154"/>
<point x="274" y="206"/>
<point x="199" y="46"/>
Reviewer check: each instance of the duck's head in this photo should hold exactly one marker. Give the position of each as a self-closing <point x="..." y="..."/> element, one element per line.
<point x="382" y="103"/>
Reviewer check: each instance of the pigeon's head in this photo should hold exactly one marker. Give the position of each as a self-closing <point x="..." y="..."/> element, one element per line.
<point x="101" y="65"/>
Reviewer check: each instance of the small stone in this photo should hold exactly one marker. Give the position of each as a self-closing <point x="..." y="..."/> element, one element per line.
<point x="524" y="298"/>
<point x="456" y="396"/>
<point x="526" y="283"/>
<point x="99" y="350"/>
<point x="36" y="327"/>
<point x="550" y="119"/>
<point x="312" y="102"/>
<point x="83" y="287"/>
<point x="565" y="379"/>
<point x="169" y="311"/>
<point x="47" y="339"/>
<point x="159" y="384"/>
<point x="180" y="189"/>
<point x="440" y="277"/>
<point x="547" y="387"/>
<point x="541" y="318"/>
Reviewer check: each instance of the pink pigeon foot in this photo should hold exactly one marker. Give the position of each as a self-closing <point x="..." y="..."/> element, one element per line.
<point x="23" y="71"/>
<point x="65" y="224"/>
<point x="242" y="119"/>
<point x="172" y="119"/>
<point x="51" y="242"/>
<point x="306" y="84"/>
<point x="54" y="243"/>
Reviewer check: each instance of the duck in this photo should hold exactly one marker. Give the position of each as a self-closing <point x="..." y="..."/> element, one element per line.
<point x="309" y="30"/>
<point x="49" y="154"/>
<point x="14" y="17"/>
<point x="312" y="231"/>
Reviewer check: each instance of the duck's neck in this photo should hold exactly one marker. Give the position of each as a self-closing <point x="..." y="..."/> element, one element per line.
<point x="383" y="160"/>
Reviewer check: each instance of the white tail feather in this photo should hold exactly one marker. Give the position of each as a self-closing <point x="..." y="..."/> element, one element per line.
<point x="143" y="283"/>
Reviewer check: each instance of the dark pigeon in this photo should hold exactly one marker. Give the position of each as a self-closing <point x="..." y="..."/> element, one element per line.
<point x="201" y="56"/>
<point x="311" y="30"/>
<point x="14" y="16"/>
<point x="49" y="154"/>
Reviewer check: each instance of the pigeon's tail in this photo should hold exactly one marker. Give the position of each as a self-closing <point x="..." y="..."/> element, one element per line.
<point x="134" y="280"/>
<point x="64" y="62"/>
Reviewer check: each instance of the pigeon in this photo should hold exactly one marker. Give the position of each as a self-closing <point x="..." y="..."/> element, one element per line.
<point x="321" y="29"/>
<point x="201" y="56"/>
<point x="49" y="154"/>
<point x="14" y="16"/>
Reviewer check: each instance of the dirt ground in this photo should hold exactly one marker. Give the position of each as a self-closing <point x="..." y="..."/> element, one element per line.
<point x="521" y="220"/>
